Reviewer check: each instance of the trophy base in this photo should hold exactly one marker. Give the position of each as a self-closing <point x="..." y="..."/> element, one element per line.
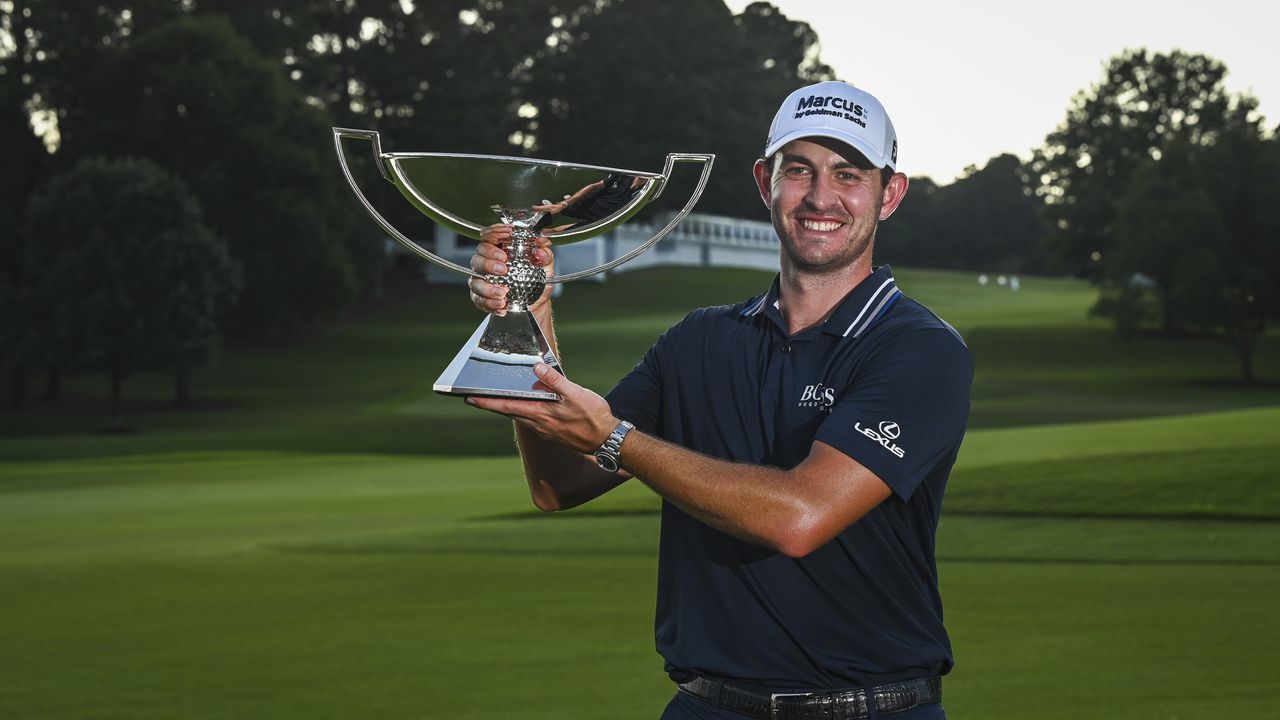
<point x="498" y="360"/>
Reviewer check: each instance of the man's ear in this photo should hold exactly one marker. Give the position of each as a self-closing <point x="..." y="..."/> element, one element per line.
<point x="764" y="176"/>
<point x="893" y="194"/>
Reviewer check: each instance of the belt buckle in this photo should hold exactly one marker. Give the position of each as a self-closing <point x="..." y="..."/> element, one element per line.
<point x="773" y="702"/>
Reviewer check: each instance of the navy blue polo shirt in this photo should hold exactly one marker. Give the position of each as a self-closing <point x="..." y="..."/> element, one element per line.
<point x="883" y="380"/>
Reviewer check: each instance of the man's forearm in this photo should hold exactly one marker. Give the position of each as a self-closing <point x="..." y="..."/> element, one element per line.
<point x="792" y="511"/>
<point x="732" y="497"/>
<point x="559" y="478"/>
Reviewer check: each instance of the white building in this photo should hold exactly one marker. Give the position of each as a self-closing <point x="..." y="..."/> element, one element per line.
<point x="700" y="240"/>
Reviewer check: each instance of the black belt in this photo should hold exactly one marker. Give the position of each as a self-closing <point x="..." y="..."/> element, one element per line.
<point x="843" y="705"/>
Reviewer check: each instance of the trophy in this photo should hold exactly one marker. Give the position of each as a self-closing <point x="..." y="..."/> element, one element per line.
<point x="466" y="193"/>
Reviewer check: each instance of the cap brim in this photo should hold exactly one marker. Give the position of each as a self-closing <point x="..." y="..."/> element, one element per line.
<point x="852" y="141"/>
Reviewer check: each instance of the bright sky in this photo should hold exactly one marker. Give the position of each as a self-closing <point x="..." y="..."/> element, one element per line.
<point x="965" y="81"/>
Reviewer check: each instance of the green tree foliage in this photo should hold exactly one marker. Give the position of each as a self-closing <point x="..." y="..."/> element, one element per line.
<point x="1162" y="186"/>
<point x="21" y="164"/>
<point x="1238" y="287"/>
<point x="1201" y="226"/>
<point x="194" y="97"/>
<point x="127" y="275"/>
<point x="985" y="220"/>
<point x="233" y="97"/>
<point x="1165" y="221"/>
<point x="908" y="237"/>
<point x="634" y="81"/>
<point x="430" y="76"/>
<point x="1144" y="101"/>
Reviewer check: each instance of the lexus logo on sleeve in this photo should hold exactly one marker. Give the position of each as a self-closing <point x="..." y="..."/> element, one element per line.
<point x="888" y="432"/>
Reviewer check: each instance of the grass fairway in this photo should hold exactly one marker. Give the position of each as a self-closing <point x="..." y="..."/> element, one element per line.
<point x="326" y="539"/>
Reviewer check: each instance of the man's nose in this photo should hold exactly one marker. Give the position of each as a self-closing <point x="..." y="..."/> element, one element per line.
<point x="821" y="194"/>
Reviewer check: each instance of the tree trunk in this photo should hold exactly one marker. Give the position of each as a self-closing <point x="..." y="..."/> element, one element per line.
<point x="376" y="290"/>
<point x="117" y="388"/>
<point x="1244" y="348"/>
<point x="53" y="386"/>
<point x="182" y="384"/>
<point x="18" y="388"/>
<point x="1243" y="334"/>
<point x="1166" y="311"/>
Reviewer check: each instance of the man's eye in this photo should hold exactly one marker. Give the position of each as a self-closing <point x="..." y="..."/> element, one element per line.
<point x="796" y="171"/>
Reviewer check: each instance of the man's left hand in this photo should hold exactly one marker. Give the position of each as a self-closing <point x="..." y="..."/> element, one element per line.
<point x="581" y="420"/>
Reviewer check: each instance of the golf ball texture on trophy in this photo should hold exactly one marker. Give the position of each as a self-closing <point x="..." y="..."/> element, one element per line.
<point x="524" y="282"/>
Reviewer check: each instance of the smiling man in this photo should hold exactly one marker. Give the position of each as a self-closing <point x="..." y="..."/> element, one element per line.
<point x="800" y="440"/>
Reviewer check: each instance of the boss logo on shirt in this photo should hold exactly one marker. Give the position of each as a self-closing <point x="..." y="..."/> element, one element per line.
<point x="819" y="396"/>
<point x="887" y="432"/>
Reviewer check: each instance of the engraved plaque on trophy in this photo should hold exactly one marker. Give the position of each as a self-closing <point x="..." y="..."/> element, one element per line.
<point x="466" y="193"/>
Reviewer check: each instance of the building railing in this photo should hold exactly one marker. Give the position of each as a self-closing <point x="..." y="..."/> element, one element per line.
<point x="701" y="241"/>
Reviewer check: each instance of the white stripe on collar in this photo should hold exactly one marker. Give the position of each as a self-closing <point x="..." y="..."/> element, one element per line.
<point x="876" y="313"/>
<point x="755" y="309"/>
<point x="870" y="301"/>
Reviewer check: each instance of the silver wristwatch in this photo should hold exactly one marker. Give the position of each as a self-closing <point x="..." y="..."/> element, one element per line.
<point x="608" y="454"/>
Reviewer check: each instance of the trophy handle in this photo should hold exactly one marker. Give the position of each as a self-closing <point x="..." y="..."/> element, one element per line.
<point x="707" y="161"/>
<point x="372" y="137"/>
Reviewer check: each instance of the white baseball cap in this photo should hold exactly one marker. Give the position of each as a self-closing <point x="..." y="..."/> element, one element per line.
<point x="839" y="111"/>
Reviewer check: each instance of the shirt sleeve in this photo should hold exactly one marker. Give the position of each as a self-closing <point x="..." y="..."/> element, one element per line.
<point x="904" y="411"/>
<point x="638" y="395"/>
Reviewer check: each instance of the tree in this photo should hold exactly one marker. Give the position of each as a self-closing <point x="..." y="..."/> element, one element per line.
<point x="1165" y="219"/>
<point x="1144" y="101"/>
<point x="430" y="76"/>
<point x="127" y="274"/>
<point x="985" y="220"/>
<point x="1202" y="225"/>
<point x="21" y="165"/>
<point x="1235" y="287"/>
<point x="194" y="97"/>
<point x="712" y="85"/>
<point x="908" y="237"/>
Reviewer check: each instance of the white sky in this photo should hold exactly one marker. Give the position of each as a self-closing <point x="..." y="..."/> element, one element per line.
<point x="965" y="81"/>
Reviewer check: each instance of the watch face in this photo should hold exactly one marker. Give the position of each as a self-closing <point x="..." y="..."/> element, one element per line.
<point x="606" y="462"/>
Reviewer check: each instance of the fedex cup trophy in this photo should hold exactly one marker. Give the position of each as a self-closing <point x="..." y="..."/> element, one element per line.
<point x="465" y="194"/>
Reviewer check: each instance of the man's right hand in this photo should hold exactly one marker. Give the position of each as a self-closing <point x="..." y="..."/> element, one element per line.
<point x="491" y="259"/>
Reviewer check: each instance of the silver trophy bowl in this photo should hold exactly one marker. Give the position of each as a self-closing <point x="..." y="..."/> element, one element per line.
<point x="466" y="193"/>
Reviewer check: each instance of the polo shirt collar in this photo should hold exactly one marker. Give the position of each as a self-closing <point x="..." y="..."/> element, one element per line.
<point x="857" y="312"/>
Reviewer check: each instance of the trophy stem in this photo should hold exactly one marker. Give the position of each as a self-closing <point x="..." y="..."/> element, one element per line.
<point x="524" y="280"/>
<point x="498" y="360"/>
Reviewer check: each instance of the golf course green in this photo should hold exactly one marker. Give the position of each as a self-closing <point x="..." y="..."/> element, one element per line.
<point x="321" y="536"/>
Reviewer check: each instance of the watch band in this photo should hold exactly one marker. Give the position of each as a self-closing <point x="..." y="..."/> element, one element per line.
<point x="609" y="454"/>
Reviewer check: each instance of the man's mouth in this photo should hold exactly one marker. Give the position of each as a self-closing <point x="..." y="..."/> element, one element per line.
<point x="820" y="225"/>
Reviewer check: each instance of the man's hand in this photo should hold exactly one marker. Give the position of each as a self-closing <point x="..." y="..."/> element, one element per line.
<point x="553" y="208"/>
<point x="491" y="259"/>
<point x="581" y="420"/>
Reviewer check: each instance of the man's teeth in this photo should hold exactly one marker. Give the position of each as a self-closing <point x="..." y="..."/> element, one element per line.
<point x="820" y="226"/>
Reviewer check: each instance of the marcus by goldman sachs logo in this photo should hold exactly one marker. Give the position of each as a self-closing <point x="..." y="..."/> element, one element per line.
<point x="831" y="105"/>
<point x="888" y="432"/>
<point x="819" y="396"/>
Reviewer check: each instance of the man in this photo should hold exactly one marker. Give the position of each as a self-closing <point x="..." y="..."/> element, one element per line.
<point x="594" y="202"/>
<point x="800" y="440"/>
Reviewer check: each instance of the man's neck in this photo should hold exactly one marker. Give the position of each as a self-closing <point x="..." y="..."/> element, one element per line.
<point x="806" y="299"/>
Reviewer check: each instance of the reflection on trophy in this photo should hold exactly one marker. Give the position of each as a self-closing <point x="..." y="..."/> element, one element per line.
<point x="466" y="193"/>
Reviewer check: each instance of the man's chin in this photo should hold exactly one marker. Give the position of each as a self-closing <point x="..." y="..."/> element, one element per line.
<point x="817" y="261"/>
